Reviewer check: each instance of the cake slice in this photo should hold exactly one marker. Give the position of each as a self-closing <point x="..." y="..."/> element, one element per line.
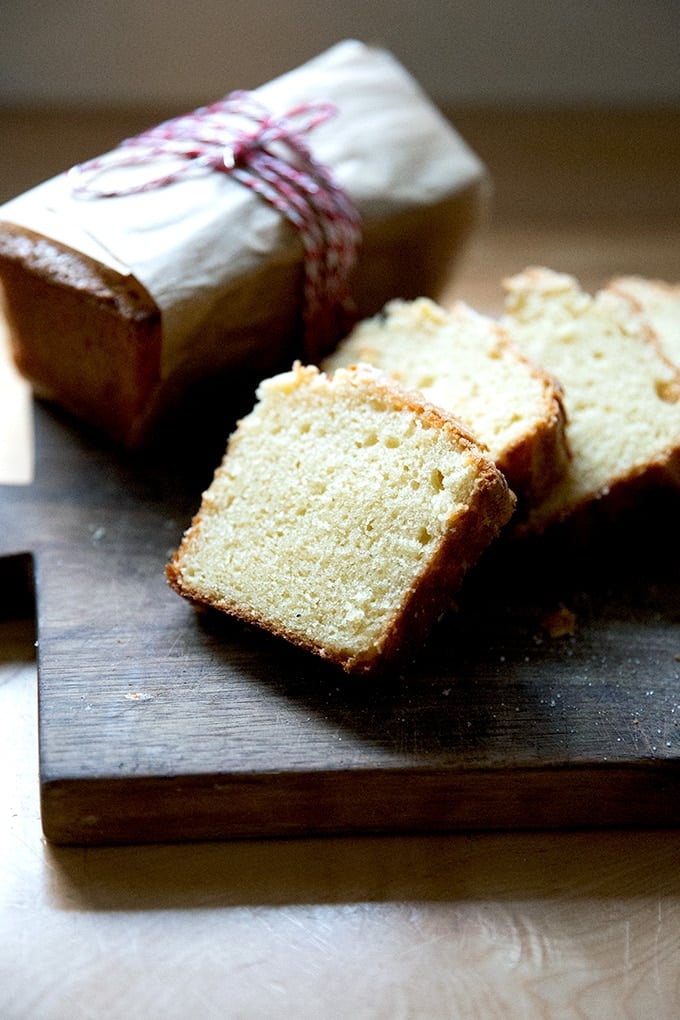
<point x="465" y="363"/>
<point x="621" y="394"/>
<point x="343" y="517"/>
<point x="659" y="302"/>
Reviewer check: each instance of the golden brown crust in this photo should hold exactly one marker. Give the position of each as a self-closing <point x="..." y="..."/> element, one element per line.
<point x="82" y="334"/>
<point x="478" y="524"/>
<point x="57" y="263"/>
<point x="540" y="457"/>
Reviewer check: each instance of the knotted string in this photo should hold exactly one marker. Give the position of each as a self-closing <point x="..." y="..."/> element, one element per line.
<point x="270" y="156"/>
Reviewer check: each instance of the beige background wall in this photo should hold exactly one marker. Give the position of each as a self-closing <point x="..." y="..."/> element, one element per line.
<point x="622" y="52"/>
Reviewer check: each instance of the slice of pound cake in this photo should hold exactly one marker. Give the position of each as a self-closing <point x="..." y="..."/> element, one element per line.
<point x="465" y="363"/>
<point x="621" y="394"/>
<point x="659" y="302"/>
<point x="343" y="517"/>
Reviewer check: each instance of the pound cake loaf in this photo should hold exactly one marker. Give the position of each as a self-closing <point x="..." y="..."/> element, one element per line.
<point x="123" y="292"/>
<point x="659" y="303"/>
<point x="343" y="517"/>
<point x="465" y="363"/>
<point x="621" y="394"/>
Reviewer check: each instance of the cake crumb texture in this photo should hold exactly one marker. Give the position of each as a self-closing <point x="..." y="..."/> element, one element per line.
<point x="659" y="303"/>
<point x="343" y="517"/>
<point x="465" y="363"/>
<point x="622" y="395"/>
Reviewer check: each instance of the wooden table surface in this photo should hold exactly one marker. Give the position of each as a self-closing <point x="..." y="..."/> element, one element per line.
<point x="568" y="924"/>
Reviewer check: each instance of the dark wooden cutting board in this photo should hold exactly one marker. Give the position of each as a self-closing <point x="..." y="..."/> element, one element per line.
<point x="157" y="723"/>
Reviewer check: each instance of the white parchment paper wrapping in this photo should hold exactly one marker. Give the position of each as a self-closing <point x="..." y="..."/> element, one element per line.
<point x="389" y="147"/>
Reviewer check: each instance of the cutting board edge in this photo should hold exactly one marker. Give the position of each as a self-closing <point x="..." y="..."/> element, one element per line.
<point x="368" y="801"/>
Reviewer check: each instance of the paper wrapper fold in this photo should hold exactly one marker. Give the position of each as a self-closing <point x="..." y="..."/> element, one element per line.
<point x="220" y="271"/>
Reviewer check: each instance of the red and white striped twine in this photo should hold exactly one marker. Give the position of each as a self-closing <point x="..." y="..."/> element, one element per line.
<point x="271" y="157"/>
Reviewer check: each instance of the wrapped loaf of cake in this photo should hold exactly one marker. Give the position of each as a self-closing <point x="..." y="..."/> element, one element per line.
<point x="121" y="297"/>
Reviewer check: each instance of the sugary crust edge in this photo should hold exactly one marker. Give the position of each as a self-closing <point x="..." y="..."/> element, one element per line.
<point x="56" y="262"/>
<point x="609" y="504"/>
<point x="540" y="457"/>
<point x="111" y="373"/>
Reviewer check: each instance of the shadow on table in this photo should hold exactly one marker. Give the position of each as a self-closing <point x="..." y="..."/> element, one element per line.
<point x="436" y="869"/>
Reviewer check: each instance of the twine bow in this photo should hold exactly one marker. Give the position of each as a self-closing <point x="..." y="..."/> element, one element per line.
<point x="269" y="155"/>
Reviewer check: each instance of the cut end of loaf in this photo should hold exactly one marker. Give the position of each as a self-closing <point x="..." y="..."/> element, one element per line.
<point x="343" y="518"/>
